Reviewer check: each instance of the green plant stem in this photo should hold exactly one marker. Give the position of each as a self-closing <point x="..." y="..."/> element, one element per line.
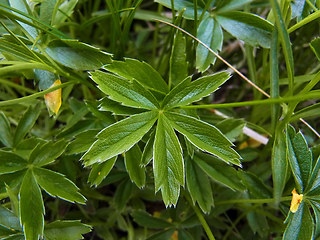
<point x="261" y="201"/>
<point x="34" y="96"/>
<point x="16" y="86"/>
<point x="306" y="20"/>
<point x="201" y="218"/>
<point x="299" y="97"/>
<point x="23" y="66"/>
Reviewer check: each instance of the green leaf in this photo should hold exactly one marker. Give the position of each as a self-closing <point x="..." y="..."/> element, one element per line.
<point x="300" y="158"/>
<point x="57" y="185"/>
<point x="82" y="142"/>
<point x="5" y="131"/>
<point x="316" y="209"/>
<point x="100" y="170"/>
<point x="66" y="230"/>
<point x="219" y="172"/>
<point x="255" y="185"/>
<point x="187" y="92"/>
<point x="10" y="162"/>
<point x="46" y="153"/>
<point x="315" y="46"/>
<point x="117" y="108"/>
<point x="121" y="90"/>
<point x="102" y="115"/>
<point x="204" y="136"/>
<point x="279" y="165"/>
<point x="46" y="10"/>
<point x="247" y="27"/>
<point x="8" y="219"/>
<point x="26" y="123"/>
<point x="199" y="186"/>
<point x="123" y="194"/>
<point x="307" y="112"/>
<point x="167" y="162"/>
<point x="165" y="234"/>
<point x="142" y="72"/>
<point x="178" y="60"/>
<point x="147" y="153"/>
<point x="132" y="160"/>
<point x="210" y="33"/>
<point x="144" y="219"/>
<point x="119" y="137"/>
<point x="314" y="181"/>
<point x="301" y="225"/>
<point x="14" y="237"/>
<point x="31" y="207"/>
<point x="183" y="5"/>
<point x="65" y="10"/>
<point x="297" y="7"/>
<point x="45" y="78"/>
<point x="231" y="128"/>
<point x="22" y="6"/>
<point x="77" y="55"/>
<point x="229" y="5"/>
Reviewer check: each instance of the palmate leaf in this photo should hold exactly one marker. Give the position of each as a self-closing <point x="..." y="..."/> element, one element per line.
<point x="187" y="92"/>
<point x="119" y="137"/>
<point x="204" y="136"/>
<point x="130" y="93"/>
<point x="31" y="207"/>
<point x="168" y="164"/>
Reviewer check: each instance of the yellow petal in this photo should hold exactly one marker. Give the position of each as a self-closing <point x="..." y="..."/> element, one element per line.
<point x="296" y="200"/>
<point x="53" y="99"/>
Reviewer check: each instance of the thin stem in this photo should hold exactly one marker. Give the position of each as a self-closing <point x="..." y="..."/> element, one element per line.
<point x="201" y="218"/>
<point x="16" y="86"/>
<point x="261" y="201"/>
<point x="306" y="20"/>
<point x="34" y="96"/>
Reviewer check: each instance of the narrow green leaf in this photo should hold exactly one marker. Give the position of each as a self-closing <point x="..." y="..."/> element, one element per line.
<point x="144" y="219"/>
<point x="219" y="172"/>
<point x="314" y="181"/>
<point x="10" y="162"/>
<point x="142" y="72"/>
<point x="297" y="8"/>
<point x="285" y="42"/>
<point x="316" y="209"/>
<point x="57" y="185"/>
<point x="31" y="208"/>
<point x="9" y="220"/>
<point x="117" y="108"/>
<point x="102" y="115"/>
<point x="123" y="194"/>
<point x="229" y="5"/>
<point x="147" y="153"/>
<point x="183" y="5"/>
<point x="254" y="184"/>
<point x="178" y="60"/>
<point x="315" y="46"/>
<point x="301" y="225"/>
<point x="168" y="164"/>
<point x="46" y="10"/>
<point x="119" y="137"/>
<point x="66" y="230"/>
<point x="77" y="55"/>
<point x="300" y="158"/>
<point x="204" y="136"/>
<point x="199" y="186"/>
<point x="14" y="237"/>
<point x="26" y="122"/>
<point x="121" y="90"/>
<point x="45" y="78"/>
<point x="65" y="10"/>
<point x="5" y="131"/>
<point x="46" y="153"/>
<point x="82" y="142"/>
<point x="248" y="27"/>
<point x="307" y="112"/>
<point x="210" y="33"/>
<point x="100" y="170"/>
<point x="231" y="128"/>
<point x="279" y="164"/>
<point x="132" y="160"/>
<point x="187" y="92"/>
